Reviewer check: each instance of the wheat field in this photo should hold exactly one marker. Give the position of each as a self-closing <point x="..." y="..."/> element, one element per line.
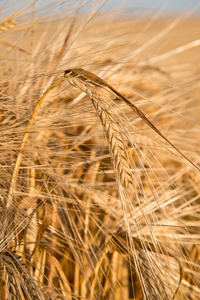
<point x="99" y="152"/>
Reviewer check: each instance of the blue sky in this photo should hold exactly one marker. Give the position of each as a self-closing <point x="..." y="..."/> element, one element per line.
<point x="169" y="6"/>
<point x="131" y="6"/>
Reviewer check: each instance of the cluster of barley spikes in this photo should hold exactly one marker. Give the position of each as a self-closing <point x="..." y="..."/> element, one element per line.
<point x="99" y="152"/>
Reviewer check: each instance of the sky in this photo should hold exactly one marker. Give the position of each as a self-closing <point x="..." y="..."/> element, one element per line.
<point x="167" y="6"/>
<point x="130" y="6"/>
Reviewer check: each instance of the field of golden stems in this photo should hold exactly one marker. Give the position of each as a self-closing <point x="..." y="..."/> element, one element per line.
<point x="99" y="153"/>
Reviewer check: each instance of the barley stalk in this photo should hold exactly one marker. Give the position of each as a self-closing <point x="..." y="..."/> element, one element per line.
<point x="25" y="138"/>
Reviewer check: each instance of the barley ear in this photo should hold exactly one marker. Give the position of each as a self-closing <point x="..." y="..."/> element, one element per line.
<point x="114" y="130"/>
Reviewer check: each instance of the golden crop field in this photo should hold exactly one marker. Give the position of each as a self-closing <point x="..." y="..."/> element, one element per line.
<point x="99" y="153"/>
